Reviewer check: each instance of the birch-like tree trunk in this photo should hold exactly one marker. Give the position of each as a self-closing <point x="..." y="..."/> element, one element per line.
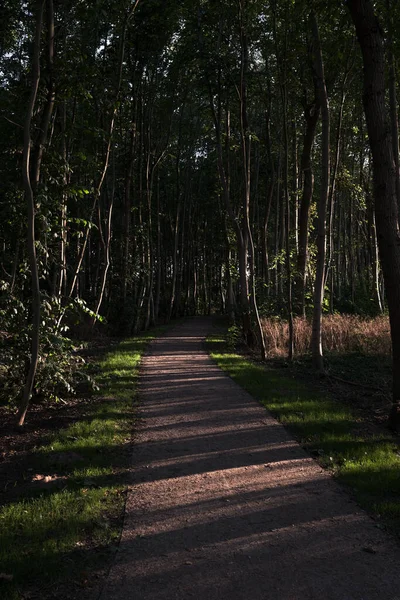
<point x="30" y="200"/>
<point x="316" y="340"/>
<point x="311" y="116"/>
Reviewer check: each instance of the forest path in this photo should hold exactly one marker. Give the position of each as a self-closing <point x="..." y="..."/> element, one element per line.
<point x="225" y="505"/>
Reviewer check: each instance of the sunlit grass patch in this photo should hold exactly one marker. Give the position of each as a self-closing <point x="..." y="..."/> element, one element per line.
<point x="369" y="465"/>
<point x="72" y="519"/>
<point x="41" y="536"/>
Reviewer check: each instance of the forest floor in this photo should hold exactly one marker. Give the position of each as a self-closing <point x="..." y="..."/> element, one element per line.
<point x="224" y="503"/>
<point x="26" y="479"/>
<point x="63" y="482"/>
<point x="221" y="500"/>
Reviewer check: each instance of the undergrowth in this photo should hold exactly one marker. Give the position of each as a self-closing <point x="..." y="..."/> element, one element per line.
<point x="341" y="334"/>
<point x="327" y="428"/>
<point x="73" y="519"/>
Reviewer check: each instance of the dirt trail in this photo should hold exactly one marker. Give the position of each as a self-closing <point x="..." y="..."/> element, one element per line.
<point x="225" y="505"/>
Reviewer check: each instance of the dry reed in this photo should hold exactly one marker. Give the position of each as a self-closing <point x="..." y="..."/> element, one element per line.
<point x="341" y="334"/>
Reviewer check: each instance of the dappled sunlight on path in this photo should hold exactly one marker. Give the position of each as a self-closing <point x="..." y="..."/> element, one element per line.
<point x="224" y="504"/>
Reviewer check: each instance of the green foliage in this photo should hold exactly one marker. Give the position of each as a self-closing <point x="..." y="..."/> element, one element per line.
<point x="233" y="336"/>
<point x="162" y="164"/>
<point x="60" y="367"/>
<point x="43" y="534"/>
<point x="363" y="303"/>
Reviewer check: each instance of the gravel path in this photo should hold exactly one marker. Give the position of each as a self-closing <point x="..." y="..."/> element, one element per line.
<point x="225" y="505"/>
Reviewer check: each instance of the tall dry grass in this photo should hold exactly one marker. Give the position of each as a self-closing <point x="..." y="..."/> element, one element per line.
<point x="341" y="334"/>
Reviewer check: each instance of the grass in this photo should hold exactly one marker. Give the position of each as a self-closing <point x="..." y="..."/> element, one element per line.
<point x="327" y="428"/>
<point x="73" y="522"/>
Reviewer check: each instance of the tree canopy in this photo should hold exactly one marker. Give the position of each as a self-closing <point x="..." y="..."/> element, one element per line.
<point x="183" y="158"/>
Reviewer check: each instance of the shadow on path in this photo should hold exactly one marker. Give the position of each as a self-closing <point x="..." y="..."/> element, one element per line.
<point x="225" y="505"/>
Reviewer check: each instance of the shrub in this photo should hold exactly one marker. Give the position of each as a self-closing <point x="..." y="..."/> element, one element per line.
<point x="59" y="366"/>
<point x="233" y="337"/>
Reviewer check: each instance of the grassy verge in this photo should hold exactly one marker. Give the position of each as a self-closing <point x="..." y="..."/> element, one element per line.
<point x="65" y="525"/>
<point x="368" y="464"/>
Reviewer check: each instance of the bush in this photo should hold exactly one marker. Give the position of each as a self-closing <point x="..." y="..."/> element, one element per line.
<point x="233" y="337"/>
<point x="60" y="366"/>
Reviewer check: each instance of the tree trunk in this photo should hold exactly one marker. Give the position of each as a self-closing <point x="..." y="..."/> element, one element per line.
<point x="270" y="194"/>
<point x="49" y="104"/>
<point x="369" y="34"/>
<point x="316" y="341"/>
<point x="106" y="247"/>
<point x="287" y="203"/>
<point x="15" y="262"/>
<point x="295" y="175"/>
<point x="247" y="238"/>
<point x="241" y="240"/>
<point x="158" y="257"/>
<point x="24" y="404"/>
<point x="331" y="199"/>
<point x="174" y="262"/>
<point x="109" y="137"/>
<point x="311" y="116"/>
<point x="394" y="122"/>
<point x="62" y="285"/>
<point x="127" y="210"/>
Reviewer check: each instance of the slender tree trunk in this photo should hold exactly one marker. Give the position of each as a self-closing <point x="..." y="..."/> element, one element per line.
<point x="264" y="238"/>
<point x="109" y="138"/>
<point x="247" y="238"/>
<point x="332" y="189"/>
<point x="49" y="104"/>
<point x="195" y="289"/>
<point x="150" y="255"/>
<point x="24" y="404"/>
<point x="287" y="205"/>
<point x="107" y="247"/>
<point x="174" y="261"/>
<point x="140" y="302"/>
<point x="62" y="285"/>
<point x="295" y="175"/>
<point x="127" y="220"/>
<point x="270" y="195"/>
<point x="339" y="252"/>
<point x="177" y="218"/>
<point x="241" y="240"/>
<point x="230" y="295"/>
<point x="158" y="258"/>
<point x="204" y="261"/>
<point x="277" y="229"/>
<point x="181" y="250"/>
<point x="311" y="115"/>
<point x="15" y="262"/>
<point x="316" y="341"/>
